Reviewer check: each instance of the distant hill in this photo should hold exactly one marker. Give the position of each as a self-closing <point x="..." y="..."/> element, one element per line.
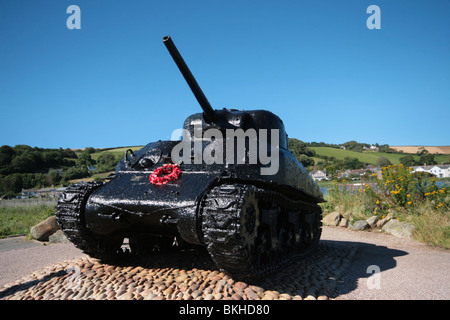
<point x="368" y="156"/>
<point x="115" y="151"/>
<point x="415" y="149"/>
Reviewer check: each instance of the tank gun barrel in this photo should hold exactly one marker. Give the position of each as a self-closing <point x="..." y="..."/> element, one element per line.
<point x="208" y="111"/>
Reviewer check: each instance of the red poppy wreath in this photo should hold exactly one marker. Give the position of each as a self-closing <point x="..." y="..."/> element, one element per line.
<point x="164" y="174"/>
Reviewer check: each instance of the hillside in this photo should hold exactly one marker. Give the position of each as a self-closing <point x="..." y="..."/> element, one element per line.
<point x="115" y="151"/>
<point x="369" y="156"/>
<point x="415" y="149"/>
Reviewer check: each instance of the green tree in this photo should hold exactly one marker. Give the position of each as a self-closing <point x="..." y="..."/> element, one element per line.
<point x="106" y="162"/>
<point x="427" y="158"/>
<point x="383" y="162"/>
<point x="76" y="173"/>
<point x="11" y="184"/>
<point x="407" y="160"/>
<point x="298" y="147"/>
<point x="305" y="160"/>
<point x="24" y="162"/>
<point x="352" y="163"/>
<point x="6" y="155"/>
<point x="84" y="159"/>
<point x="53" y="177"/>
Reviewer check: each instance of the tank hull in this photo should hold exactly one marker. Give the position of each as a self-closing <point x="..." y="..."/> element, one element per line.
<point x="130" y="204"/>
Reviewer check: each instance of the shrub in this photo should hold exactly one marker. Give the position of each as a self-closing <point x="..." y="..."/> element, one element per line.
<point x="405" y="195"/>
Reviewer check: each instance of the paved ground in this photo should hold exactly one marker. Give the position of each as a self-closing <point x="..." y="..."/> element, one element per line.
<point x="387" y="267"/>
<point x="384" y="267"/>
<point x="20" y="257"/>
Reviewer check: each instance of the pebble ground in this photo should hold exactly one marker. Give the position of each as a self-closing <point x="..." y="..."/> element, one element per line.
<point x="183" y="275"/>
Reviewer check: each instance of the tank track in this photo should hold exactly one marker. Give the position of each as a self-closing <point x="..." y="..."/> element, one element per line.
<point x="70" y="218"/>
<point x="250" y="232"/>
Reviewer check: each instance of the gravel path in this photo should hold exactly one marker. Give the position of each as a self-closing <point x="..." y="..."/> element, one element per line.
<point x="338" y="269"/>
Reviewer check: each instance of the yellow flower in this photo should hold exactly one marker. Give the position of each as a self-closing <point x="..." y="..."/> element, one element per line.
<point x="409" y="202"/>
<point x="408" y="195"/>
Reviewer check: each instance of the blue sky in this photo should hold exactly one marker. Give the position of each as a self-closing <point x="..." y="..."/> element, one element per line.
<point x="313" y="63"/>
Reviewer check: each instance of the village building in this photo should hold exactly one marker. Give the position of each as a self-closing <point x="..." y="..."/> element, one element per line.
<point x="319" y="175"/>
<point x="440" y="171"/>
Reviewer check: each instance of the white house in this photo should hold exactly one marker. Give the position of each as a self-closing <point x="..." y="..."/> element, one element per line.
<point x="440" y="171"/>
<point x="319" y="175"/>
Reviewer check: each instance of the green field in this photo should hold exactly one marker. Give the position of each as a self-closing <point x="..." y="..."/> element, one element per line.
<point x="340" y="154"/>
<point x="115" y="151"/>
<point x="369" y="156"/>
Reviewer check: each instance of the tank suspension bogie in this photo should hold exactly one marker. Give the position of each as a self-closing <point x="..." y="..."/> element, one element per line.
<point x="250" y="232"/>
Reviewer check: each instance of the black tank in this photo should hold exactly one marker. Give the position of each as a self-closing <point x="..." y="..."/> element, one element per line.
<point x="230" y="185"/>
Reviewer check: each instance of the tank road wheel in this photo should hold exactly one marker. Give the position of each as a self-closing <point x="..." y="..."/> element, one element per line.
<point x="249" y="221"/>
<point x="230" y="222"/>
<point x="70" y="218"/>
<point x="250" y="232"/>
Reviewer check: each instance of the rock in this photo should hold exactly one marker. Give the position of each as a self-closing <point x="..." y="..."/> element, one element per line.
<point x="348" y="214"/>
<point x="332" y="219"/>
<point x="44" y="229"/>
<point x="58" y="237"/>
<point x="240" y="285"/>
<point x="383" y="221"/>
<point x="399" y="228"/>
<point x="181" y="278"/>
<point x="125" y="296"/>
<point x="372" y="221"/>
<point x="343" y="223"/>
<point x="360" y="225"/>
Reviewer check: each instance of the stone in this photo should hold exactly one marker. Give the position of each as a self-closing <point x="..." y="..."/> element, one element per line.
<point x="348" y="214"/>
<point x="43" y="230"/>
<point x="58" y="237"/>
<point x="343" y="223"/>
<point x="240" y="285"/>
<point x="372" y="221"/>
<point x="382" y="222"/>
<point x="181" y="278"/>
<point x="360" y="225"/>
<point x="399" y="228"/>
<point x="126" y="296"/>
<point x="332" y="219"/>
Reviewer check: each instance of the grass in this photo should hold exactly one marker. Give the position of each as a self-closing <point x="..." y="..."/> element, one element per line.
<point x="353" y="206"/>
<point x="95" y="176"/>
<point x="115" y="151"/>
<point x="431" y="226"/>
<point x="369" y="156"/>
<point x="18" y="220"/>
